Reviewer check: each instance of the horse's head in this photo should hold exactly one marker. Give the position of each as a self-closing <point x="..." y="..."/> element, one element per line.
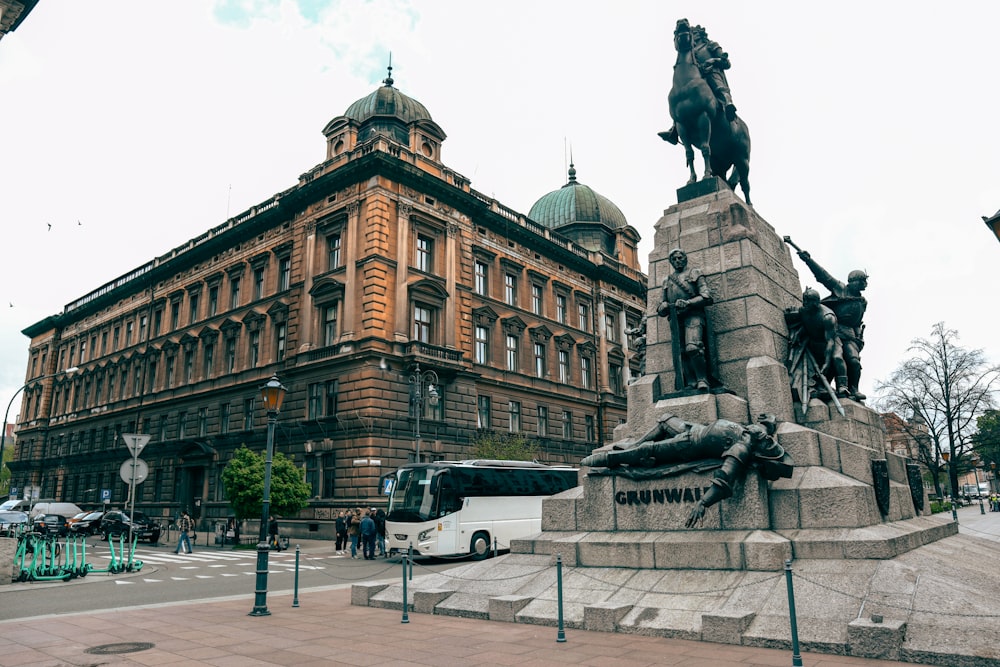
<point x="682" y="35"/>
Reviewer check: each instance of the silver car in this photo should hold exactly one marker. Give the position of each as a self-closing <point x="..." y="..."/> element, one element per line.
<point x="10" y="523"/>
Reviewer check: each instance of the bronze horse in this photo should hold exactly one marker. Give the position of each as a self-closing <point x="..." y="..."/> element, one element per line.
<point x="701" y="122"/>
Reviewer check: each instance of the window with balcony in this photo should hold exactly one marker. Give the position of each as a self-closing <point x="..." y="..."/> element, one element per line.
<point x="330" y="324"/>
<point x="423" y="323"/>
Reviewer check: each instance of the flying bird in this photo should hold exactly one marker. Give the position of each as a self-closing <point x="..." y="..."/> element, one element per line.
<point x="50" y="226"/>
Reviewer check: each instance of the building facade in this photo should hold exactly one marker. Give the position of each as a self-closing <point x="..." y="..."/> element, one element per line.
<point x="378" y="260"/>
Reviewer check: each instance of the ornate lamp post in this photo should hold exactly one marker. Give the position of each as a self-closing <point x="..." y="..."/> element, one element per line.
<point x="951" y="480"/>
<point x="6" y="415"/>
<point x="993" y="222"/>
<point x="273" y="394"/>
<point x="422" y="389"/>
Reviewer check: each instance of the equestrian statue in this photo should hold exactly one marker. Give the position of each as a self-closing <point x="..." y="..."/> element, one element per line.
<point x="703" y="112"/>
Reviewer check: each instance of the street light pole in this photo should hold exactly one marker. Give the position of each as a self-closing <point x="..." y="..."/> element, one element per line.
<point x="951" y="481"/>
<point x="976" y="462"/>
<point x="6" y="415"/>
<point x="417" y="381"/>
<point x="273" y="394"/>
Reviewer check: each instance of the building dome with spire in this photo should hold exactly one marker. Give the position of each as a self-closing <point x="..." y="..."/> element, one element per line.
<point x="576" y="203"/>
<point x="388" y="101"/>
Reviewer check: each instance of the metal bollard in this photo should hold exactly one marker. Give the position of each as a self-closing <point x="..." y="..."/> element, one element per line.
<point x="406" y="615"/>
<point x="494" y="547"/>
<point x="561" y="634"/>
<point x="796" y="655"/>
<point x="409" y="555"/>
<point x="295" y="597"/>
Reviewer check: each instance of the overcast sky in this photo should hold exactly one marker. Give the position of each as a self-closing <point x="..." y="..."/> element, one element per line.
<point x="131" y="127"/>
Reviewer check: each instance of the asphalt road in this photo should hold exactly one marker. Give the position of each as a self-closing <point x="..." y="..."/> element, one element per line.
<point x="207" y="573"/>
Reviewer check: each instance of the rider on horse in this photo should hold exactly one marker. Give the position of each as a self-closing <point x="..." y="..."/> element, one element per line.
<point x="712" y="63"/>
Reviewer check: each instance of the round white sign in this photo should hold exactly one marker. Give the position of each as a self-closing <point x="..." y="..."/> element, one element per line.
<point x="136" y="475"/>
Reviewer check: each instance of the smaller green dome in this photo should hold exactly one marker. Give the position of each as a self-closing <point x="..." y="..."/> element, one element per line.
<point x="576" y="203"/>
<point x="387" y="101"/>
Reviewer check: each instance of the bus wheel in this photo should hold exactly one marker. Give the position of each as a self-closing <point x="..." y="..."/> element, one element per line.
<point x="480" y="547"/>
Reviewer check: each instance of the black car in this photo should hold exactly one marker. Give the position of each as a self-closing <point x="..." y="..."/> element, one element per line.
<point x="50" y="524"/>
<point x="117" y="522"/>
<point x="11" y="523"/>
<point x="89" y="524"/>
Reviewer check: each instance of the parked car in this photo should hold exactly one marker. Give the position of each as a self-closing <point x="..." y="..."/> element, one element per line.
<point x="90" y="524"/>
<point x="10" y="521"/>
<point x="50" y="524"/>
<point x="117" y="522"/>
<point x="15" y="505"/>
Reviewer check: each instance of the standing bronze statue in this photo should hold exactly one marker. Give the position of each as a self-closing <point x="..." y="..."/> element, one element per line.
<point x="703" y="112"/>
<point x="685" y="297"/>
<point x="637" y="338"/>
<point x="815" y="352"/>
<point x="849" y="305"/>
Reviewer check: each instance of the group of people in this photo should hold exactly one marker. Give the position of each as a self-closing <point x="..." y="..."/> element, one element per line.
<point x="364" y="528"/>
<point x="994" y="502"/>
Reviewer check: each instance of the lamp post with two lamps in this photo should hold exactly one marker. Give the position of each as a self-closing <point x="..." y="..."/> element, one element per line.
<point x="6" y="415"/>
<point x="951" y="480"/>
<point x="273" y="395"/>
<point x="422" y="388"/>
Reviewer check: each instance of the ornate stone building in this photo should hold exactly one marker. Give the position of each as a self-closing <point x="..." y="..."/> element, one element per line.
<point x="380" y="258"/>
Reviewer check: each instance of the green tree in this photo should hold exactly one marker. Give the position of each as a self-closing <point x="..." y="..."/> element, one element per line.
<point x="945" y="387"/>
<point x="505" y="447"/>
<point x="243" y="478"/>
<point x="987" y="441"/>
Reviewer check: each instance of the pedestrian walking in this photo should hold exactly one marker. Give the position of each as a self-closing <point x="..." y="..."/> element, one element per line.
<point x="368" y="533"/>
<point x="354" y="531"/>
<point x="185" y="525"/>
<point x="272" y="533"/>
<point x="341" y="528"/>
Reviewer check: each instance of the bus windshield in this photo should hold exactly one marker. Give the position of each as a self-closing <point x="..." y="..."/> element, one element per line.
<point x="411" y="499"/>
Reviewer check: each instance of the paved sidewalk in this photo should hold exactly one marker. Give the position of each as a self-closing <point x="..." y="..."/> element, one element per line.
<point x="326" y="630"/>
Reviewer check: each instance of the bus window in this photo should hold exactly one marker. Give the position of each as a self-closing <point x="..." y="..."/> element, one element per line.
<point x="448" y="500"/>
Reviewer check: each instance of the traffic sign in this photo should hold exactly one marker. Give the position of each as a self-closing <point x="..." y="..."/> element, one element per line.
<point x="134" y="471"/>
<point x="135" y="442"/>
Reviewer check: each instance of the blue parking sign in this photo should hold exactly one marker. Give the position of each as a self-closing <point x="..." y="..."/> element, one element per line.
<point x="105" y="495"/>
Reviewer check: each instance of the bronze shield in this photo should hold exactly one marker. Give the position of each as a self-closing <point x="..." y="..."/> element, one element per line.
<point x="916" y="481"/>
<point x="880" y="475"/>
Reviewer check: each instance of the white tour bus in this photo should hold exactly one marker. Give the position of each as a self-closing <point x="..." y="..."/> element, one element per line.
<point x="452" y="508"/>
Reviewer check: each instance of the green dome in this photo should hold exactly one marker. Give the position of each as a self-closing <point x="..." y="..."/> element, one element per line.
<point x="387" y="101"/>
<point x="575" y="203"/>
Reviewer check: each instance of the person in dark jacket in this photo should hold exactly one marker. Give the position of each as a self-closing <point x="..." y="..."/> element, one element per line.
<point x="368" y="533"/>
<point x="341" y="527"/>
<point x="380" y="531"/>
<point x="272" y="534"/>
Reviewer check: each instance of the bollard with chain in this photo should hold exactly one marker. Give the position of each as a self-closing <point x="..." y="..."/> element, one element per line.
<point x="796" y="655"/>
<point x="561" y="634"/>
<point x="295" y="597"/>
<point x="409" y="556"/>
<point x="406" y="616"/>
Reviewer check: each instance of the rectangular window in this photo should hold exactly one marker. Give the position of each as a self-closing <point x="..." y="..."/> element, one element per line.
<point x="514" y="410"/>
<point x="208" y="360"/>
<point x="561" y="308"/>
<point x="128" y="334"/>
<point x="564" y="366"/>
<point x="280" y="334"/>
<point x="330" y="406"/>
<point x="192" y="309"/>
<point x="115" y="339"/>
<point x="536" y="299"/>
<point x="284" y="273"/>
<point x="591" y="431"/>
<point x="254" y="348"/>
<point x="510" y="289"/>
<point x="162" y="433"/>
<point x="182" y="425"/>
<point x="143" y="323"/>
<point x="425" y="254"/>
<point x="611" y="328"/>
<point x="231" y="354"/>
<point x="234" y="292"/>
<point x="157" y="322"/>
<point x="543" y="421"/>
<point x="312" y="475"/>
<point x="422" y="323"/>
<point x="585" y="372"/>
<point x="540" y="370"/>
<point x="83" y="350"/>
<point x="175" y="319"/>
<point x="329" y="474"/>
<point x="511" y="352"/>
<point x="213" y="300"/>
<point x="202" y="422"/>
<point x="483" y="411"/>
<point x="249" y="405"/>
<point x="482" y="345"/>
<point x="333" y="251"/>
<point x="330" y="324"/>
<point x="104" y="343"/>
<point x="314" y="408"/>
<point x="225" y="414"/>
<point x="136" y="382"/>
<point x="615" y="378"/>
<point x="258" y="283"/>
<point x="567" y="425"/>
<point x="189" y="365"/>
<point x="482" y="278"/>
<point x="584" y="312"/>
<point x="168" y="374"/>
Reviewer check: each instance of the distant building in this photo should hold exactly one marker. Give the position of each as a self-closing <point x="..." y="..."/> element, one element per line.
<point x="13" y="13"/>
<point x="905" y="437"/>
<point x="378" y="259"/>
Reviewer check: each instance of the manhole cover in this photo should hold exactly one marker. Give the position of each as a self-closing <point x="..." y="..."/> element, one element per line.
<point x="124" y="647"/>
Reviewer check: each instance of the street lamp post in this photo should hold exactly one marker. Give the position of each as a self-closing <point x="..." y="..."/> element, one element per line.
<point x="417" y="381"/>
<point x="6" y="415"/>
<point x="993" y="471"/>
<point x="976" y="462"/>
<point x="951" y="481"/>
<point x="273" y="394"/>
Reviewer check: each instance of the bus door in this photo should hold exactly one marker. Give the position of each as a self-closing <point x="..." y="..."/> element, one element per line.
<point x="446" y="505"/>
